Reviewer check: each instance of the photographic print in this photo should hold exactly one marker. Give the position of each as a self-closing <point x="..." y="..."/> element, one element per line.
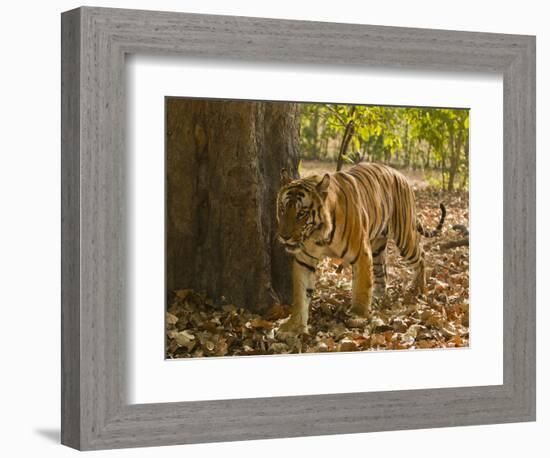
<point x="314" y="228"/>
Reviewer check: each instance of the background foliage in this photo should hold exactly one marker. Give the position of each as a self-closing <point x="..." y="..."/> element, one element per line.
<point x="428" y="139"/>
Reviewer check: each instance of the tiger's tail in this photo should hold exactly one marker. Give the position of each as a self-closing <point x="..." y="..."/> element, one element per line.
<point x="437" y="230"/>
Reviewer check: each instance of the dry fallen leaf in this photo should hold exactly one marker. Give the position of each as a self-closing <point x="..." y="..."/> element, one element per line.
<point x="347" y="345"/>
<point x="182" y="293"/>
<point x="171" y="319"/>
<point x="260" y="323"/>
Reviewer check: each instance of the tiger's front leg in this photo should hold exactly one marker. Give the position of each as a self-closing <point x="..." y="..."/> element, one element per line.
<point x="361" y="298"/>
<point x="303" y="281"/>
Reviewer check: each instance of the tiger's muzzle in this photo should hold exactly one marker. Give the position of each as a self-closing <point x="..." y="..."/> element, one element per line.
<point x="290" y="244"/>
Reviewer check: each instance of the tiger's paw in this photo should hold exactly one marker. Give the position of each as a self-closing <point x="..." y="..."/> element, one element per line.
<point x="360" y="310"/>
<point x="292" y="326"/>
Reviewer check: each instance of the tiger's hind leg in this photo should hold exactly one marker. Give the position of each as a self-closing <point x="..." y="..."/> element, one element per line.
<point x="361" y="299"/>
<point x="413" y="256"/>
<point x="420" y="280"/>
<point x="379" y="266"/>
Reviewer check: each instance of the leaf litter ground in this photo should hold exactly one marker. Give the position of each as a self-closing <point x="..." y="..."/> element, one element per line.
<point x="439" y="318"/>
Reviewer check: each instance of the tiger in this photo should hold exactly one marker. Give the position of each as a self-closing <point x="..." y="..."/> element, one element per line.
<point x="349" y="215"/>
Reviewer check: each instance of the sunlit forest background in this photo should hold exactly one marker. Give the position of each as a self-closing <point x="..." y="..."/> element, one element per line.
<point x="229" y="279"/>
<point x="431" y="140"/>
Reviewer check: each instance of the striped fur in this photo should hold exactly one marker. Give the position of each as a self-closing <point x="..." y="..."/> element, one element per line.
<point x="349" y="215"/>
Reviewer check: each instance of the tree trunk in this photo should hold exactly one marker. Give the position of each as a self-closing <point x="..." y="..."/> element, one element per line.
<point x="442" y="163"/>
<point x="223" y="169"/>
<point x="407" y="158"/>
<point x="465" y="176"/>
<point x="349" y="132"/>
<point x="427" y="161"/>
<point x="455" y="152"/>
<point x="315" y="136"/>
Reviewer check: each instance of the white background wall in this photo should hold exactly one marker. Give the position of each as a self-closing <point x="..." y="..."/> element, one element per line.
<point x="29" y="226"/>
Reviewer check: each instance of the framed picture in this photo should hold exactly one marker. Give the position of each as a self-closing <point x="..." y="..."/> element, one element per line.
<point x="281" y="228"/>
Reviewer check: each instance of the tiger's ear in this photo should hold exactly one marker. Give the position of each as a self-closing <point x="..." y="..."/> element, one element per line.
<point x="285" y="177"/>
<point x="322" y="186"/>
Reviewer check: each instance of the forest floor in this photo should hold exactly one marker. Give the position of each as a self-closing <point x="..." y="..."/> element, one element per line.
<point x="438" y="318"/>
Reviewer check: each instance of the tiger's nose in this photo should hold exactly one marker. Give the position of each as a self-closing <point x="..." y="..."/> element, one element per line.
<point x="284" y="237"/>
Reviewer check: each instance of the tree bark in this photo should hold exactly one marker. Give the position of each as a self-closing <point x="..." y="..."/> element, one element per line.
<point x="349" y="132"/>
<point x="455" y="151"/>
<point x="223" y="165"/>
<point x="465" y="176"/>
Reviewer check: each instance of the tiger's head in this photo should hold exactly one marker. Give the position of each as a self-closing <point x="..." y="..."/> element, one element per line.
<point x="301" y="210"/>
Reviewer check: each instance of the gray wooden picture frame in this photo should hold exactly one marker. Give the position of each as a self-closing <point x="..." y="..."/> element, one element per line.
<point x="95" y="413"/>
